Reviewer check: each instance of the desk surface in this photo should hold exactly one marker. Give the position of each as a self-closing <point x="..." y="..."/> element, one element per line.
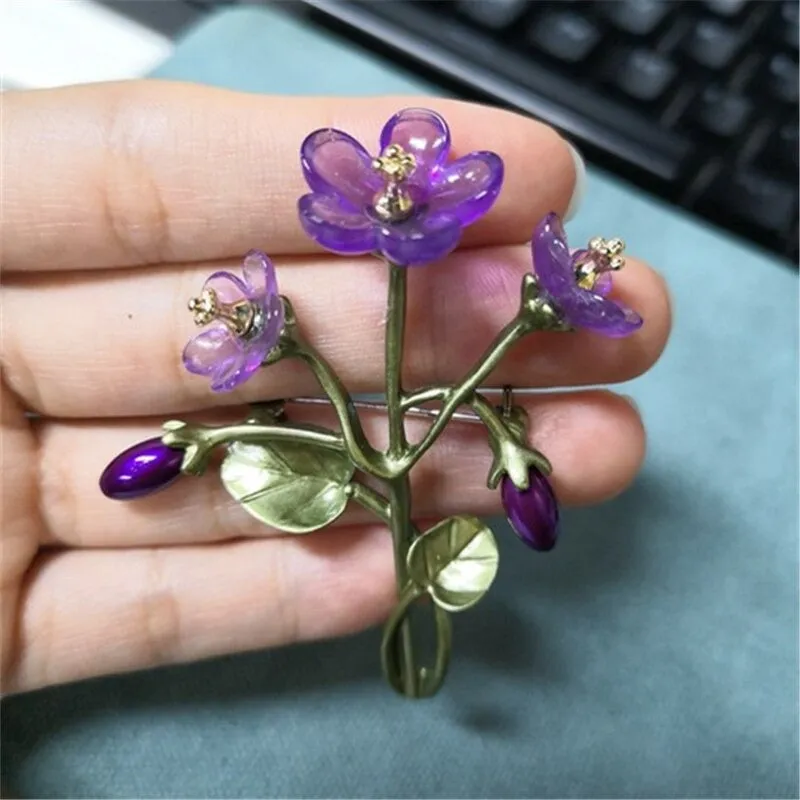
<point x="654" y="654"/>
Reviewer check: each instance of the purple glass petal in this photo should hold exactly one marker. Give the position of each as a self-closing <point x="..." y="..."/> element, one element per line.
<point x="586" y="310"/>
<point x="603" y="285"/>
<point x="422" y="133"/>
<point x="532" y="512"/>
<point x="218" y="354"/>
<point x="468" y="186"/>
<point x="420" y="240"/>
<point x="228" y="287"/>
<point x="142" y="469"/>
<point x="335" y="227"/>
<point x="249" y="362"/>
<point x="259" y="274"/>
<point x="206" y="352"/>
<point x="335" y="163"/>
<point x="552" y="261"/>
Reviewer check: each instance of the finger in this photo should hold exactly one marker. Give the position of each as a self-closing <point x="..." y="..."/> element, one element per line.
<point x="594" y="440"/>
<point x="173" y="172"/>
<point x="92" y="612"/>
<point x="123" y="358"/>
<point x="20" y="524"/>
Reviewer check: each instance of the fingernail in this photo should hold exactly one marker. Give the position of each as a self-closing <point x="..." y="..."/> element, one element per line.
<point x="580" y="183"/>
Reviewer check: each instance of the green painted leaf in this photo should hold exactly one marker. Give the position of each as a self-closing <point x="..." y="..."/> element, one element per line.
<point x="455" y="562"/>
<point x="295" y="487"/>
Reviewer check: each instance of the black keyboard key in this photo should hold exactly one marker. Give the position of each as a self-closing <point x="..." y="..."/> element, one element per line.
<point x="754" y="199"/>
<point x="726" y="8"/>
<point x="782" y="78"/>
<point x="722" y="113"/>
<point x="713" y="44"/>
<point x="567" y="36"/>
<point x="637" y="17"/>
<point x="643" y="75"/>
<point x="494" y="14"/>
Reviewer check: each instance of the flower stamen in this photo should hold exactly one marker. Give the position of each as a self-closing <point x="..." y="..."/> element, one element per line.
<point x="394" y="203"/>
<point x="603" y="255"/>
<point x="239" y="317"/>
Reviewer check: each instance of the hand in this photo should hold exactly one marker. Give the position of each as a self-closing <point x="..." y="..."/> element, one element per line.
<point x="120" y="199"/>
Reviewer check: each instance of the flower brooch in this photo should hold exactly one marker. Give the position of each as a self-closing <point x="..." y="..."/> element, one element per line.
<point x="408" y="205"/>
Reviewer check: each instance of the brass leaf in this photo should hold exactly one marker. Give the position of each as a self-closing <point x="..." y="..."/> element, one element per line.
<point x="295" y="487"/>
<point x="455" y="562"/>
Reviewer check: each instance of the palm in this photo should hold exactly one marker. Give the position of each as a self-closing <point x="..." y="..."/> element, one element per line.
<point x="170" y="179"/>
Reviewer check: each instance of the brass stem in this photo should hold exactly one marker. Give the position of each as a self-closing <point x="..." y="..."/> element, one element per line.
<point x="495" y="427"/>
<point x="400" y="523"/>
<point x="483" y="410"/>
<point x="199" y="441"/>
<point x="394" y="345"/>
<point x="363" y="455"/>
<point x="250" y="432"/>
<point x="398" y="658"/>
<point x="371" y="500"/>
<point x="399" y="486"/>
<point x="458" y="395"/>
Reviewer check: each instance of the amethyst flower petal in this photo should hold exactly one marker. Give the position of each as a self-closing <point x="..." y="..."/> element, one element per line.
<point x="581" y="308"/>
<point x="423" y="134"/>
<point x="335" y="163"/>
<point x="552" y="260"/>
<point x="337" y="228"/>
<point x="586" y="310"/>
<point x="420" y="240"/>
<point x="218" y="354"/>
<point x="259" y="275"/>
<point x="468" y="186"/>
<point x="229" y="288"/>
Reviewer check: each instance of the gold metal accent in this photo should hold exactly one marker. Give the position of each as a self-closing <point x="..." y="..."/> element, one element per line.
<point x="299" y="478"/>
<point x="455" y="562"/>
<point x="604" y="255"/>
<point x="608" y="249"/>
<point x="295" y="487"/>
<point x="395" y="164"/>
<point x="616" y="263"/>
<point x="239" y="317"/>
<point x="586" y="276"/>
<point x="394" y="203"/>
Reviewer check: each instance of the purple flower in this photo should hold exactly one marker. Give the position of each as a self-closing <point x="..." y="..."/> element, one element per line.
<point x="408" y="204"/>
<point x="245" y="321"/>
<point x="577" y="284"/>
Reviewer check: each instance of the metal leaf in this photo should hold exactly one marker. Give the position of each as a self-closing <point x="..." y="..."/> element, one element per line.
<point x="455" y="562"/>
<point x="295" y="487"/>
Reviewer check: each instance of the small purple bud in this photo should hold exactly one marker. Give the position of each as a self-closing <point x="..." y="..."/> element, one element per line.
<point x="142" y="469"/>
<point x="532" y="512"/>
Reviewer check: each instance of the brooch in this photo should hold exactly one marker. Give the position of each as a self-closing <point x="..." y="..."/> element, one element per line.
<point x="407" y="205"/>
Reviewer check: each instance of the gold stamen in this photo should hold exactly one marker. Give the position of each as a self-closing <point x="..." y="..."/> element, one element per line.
<point x="394" y="203"/>
<point x="239" y="317"/>
<point x="604" y="255"/>
<point x="586" y="276"/>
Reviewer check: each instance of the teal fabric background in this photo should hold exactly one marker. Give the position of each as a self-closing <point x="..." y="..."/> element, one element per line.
<point x="654" y="653"/>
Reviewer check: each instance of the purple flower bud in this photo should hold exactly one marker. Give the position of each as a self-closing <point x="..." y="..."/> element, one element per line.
<point x="142" y="469"/>
<point x="532" y="512"/>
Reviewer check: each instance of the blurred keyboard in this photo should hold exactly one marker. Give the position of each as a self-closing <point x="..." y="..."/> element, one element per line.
<point x="695" y="101"/>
